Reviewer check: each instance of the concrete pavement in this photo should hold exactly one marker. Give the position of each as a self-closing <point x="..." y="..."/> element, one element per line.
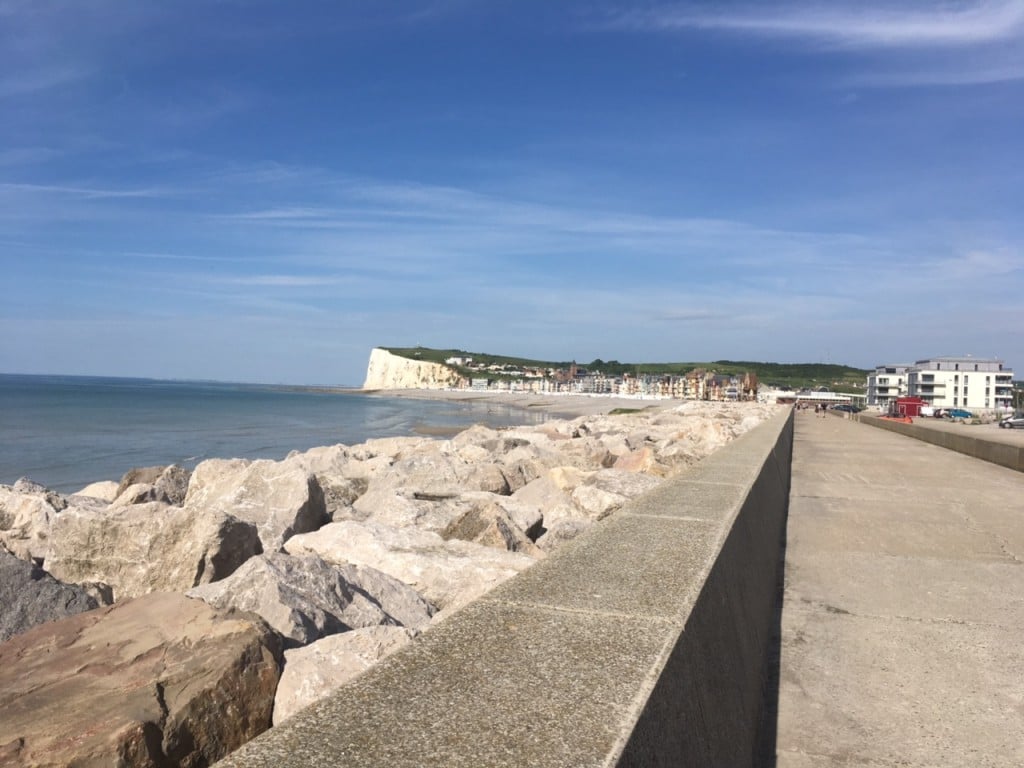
<point x="903" y="618"/>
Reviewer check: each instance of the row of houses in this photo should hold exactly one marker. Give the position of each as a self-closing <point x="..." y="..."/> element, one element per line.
<point x="698" y="384"/>
<point x="982" y="384"/>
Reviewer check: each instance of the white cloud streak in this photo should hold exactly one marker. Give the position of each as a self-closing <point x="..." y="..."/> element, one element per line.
<point x="40" y="80"/>
<point x="849" y="25"/>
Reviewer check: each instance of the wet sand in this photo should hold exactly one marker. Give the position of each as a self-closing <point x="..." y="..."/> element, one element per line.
<point x="561" y="406"/>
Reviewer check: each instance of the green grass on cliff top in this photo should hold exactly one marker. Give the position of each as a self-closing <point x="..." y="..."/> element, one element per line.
<point x="794" y="375"/>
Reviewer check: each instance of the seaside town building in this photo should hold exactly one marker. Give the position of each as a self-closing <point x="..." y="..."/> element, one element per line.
<point x="698" y="384"/>
<point x="972" y="383"/>
<point x="962" y="382"/>
<point x="886" y="383"/>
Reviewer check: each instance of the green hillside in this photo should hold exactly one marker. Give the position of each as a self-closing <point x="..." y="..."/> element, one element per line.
<point x="795" y="375"/>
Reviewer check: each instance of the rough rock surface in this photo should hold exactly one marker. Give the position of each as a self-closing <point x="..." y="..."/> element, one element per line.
<point x="304" y="598"/>
<point x="27" y="510"/>
<point x="158" y="681"/>
<point x="280" y="498"/>
<point x="148" y="547"/>
<point x="447" y="573"/>
<point x="342" y="478"/>
<point x="29" y="596"/>
<point x="388" y="371"/>
<point x="137" y="475"/>
<point x="491" y="526"/>
<point x="104" y="490"/>
<point x="313" y="672"/>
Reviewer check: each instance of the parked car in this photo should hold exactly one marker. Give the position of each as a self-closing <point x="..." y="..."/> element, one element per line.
<point x="1015" y="421"/>
<point x="959" y="413"/>
<point x="846" y="407"/>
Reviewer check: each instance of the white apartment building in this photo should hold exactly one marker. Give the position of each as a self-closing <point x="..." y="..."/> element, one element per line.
<point x="962" y="382"/>
<point x="887" y="383"/>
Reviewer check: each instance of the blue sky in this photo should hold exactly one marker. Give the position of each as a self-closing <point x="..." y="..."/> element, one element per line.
<point x="263" y="191"/>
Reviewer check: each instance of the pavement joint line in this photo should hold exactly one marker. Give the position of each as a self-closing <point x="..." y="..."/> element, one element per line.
<point x="529" y="604"/>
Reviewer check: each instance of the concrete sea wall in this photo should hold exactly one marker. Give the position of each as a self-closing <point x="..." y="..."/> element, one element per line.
<point x="1003" y="454"/>
<point x="645" y="642"/>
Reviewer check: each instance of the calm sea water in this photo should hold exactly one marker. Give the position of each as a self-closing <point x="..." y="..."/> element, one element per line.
<point x="68" y="431"/>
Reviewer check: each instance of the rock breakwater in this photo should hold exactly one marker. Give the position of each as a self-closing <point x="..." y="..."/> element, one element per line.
<point x="340" y="555"/>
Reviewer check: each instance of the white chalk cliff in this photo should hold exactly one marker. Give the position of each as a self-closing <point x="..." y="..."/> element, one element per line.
<point x="388" y="371"/>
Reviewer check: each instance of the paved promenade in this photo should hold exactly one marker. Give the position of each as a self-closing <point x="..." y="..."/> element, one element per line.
<point x="903" y="619"/>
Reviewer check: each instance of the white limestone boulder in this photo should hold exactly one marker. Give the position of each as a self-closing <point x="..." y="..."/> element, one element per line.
<point x="104" y="490"/>
<point x="317" y="670"/>
<point x="436" y="470"/>
<point x="169" y="484"/>
<point x="491" y="526"/>
<point x="27" y="511"/>
<point x="342" y="478"/>
<point x="446" y="573"/>
<point x="280" y="498"/>
<point x="625" y="483"/>
<point x="147" y="547"/>
<point x="304" y="598"/>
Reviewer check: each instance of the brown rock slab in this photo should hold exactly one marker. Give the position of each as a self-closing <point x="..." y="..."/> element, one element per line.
<point x="158" y="681"/>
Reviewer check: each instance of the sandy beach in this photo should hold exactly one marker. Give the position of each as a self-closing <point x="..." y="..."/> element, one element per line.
<point x="567" y="406"/>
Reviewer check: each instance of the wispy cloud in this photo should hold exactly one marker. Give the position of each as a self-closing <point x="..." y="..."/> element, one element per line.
<point x="35" y="81"/>
<point x="900" y="45"/>
<point x="850" y="25"/>
<point x="285" y="281"/>
<point x="84" y="193"/>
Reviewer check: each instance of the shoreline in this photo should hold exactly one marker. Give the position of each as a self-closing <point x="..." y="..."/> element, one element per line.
<point x="562" y="406"/>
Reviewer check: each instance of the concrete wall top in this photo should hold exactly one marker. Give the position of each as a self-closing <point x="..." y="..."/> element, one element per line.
<point x="640" y="643"/>
<point x="964" y="439"/>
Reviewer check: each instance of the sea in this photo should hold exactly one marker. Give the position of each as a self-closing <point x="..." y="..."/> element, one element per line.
<point x="68" y="431"/>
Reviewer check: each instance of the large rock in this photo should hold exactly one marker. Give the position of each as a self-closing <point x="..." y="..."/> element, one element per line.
<point x="280" y="498"/>
<point x="158" y="681"/>
<point x="313" y="672"/>
<point x="436" y="471"/>
<point x="104" y="490"/>
<point x="342" y="478"/>
<point x="304" y="598"/>
<point x="491" y="526"/>
<point x="27" y="510"/>
<point x="551" y="493"/>
<point x="446" y="573"/>
<point x="142" y="484"/>
<point x="29" y="596"/>
<point x="148" y="547"/>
